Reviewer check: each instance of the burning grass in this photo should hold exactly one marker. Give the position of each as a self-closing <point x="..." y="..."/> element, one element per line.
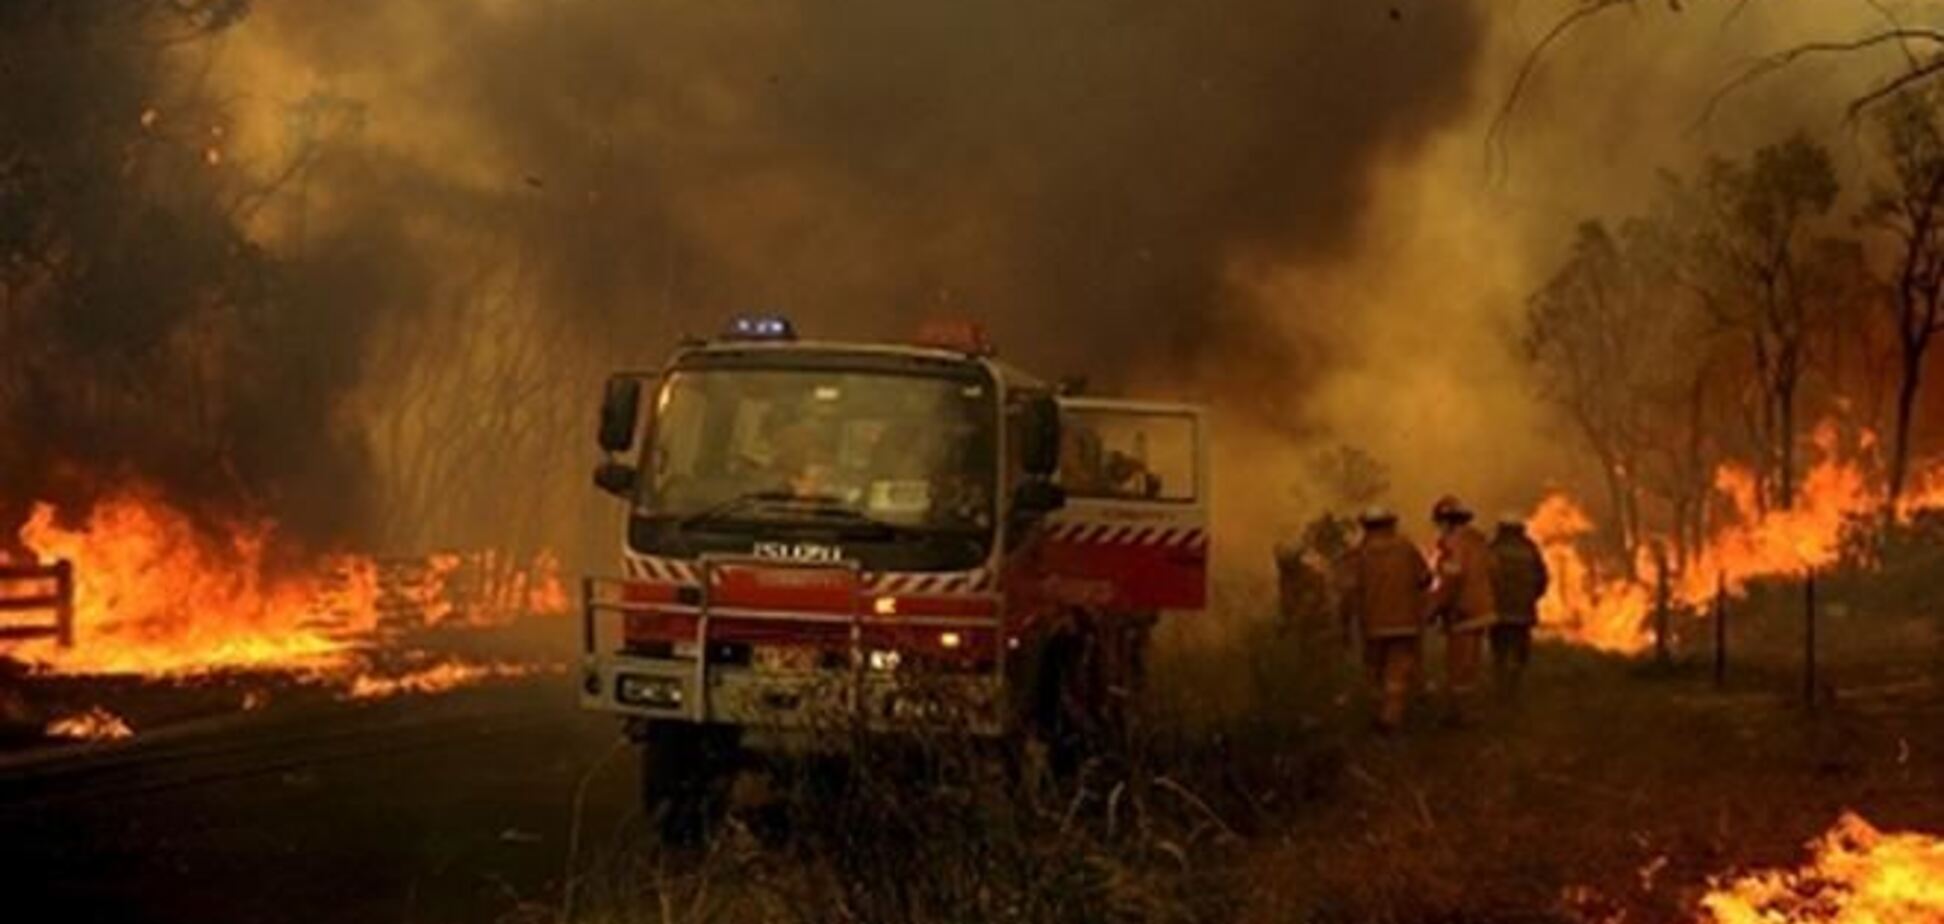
<point x="1600" y="605"/>
<point x="161" y="595"/>
<point x="1856" y="875"/>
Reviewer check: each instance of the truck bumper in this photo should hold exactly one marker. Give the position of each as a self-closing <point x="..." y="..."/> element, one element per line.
<point x="681" y="689"/>
<point x="689" y="686"/>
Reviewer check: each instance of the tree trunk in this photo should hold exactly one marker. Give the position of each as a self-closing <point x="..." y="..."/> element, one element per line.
<point x="1785" y="442"/>
<point x="1617" y="509"/>
<point x="1912" y="372"/>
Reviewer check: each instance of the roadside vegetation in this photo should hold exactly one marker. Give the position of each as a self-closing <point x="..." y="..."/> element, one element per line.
<point x="1612" y="789"/>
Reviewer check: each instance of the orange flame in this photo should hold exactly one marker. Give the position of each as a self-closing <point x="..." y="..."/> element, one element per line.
<point x="1857" y="875"/>
<point x="439" y="678"/>
<point x="1611" y="611"/>
<point x="157" y="594"/>
<point x="1582" y="605"/>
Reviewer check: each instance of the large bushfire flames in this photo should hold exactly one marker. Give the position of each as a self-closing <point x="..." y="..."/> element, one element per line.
<point x="1856" y="874"/>
<point x="156" y="594"/>
<point x="1612" y="611"/>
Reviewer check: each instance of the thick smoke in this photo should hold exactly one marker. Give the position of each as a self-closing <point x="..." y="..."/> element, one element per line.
<point x="358" y="265"/>
<point x="1095" y="180"/>
<point x="1428" y="305"/>
<point x="1083" y="175"/>
<point x="147" y="338"/>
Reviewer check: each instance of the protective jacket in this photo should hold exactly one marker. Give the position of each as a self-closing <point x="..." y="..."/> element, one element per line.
<point x="1384" y="584"/>
<point x="1519" y="578"/>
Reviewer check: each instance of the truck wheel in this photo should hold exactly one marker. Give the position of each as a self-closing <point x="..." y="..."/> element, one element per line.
<point x="1054" y="695"/>
<point x="682" y="769"/>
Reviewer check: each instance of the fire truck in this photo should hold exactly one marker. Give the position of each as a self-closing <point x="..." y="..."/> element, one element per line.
<point x="887" y="537"/>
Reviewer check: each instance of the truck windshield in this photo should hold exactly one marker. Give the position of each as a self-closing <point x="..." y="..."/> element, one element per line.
<point x="878" y="449"/>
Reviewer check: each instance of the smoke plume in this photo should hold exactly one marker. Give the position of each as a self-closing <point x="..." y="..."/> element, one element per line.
<point x="359" y="265"/>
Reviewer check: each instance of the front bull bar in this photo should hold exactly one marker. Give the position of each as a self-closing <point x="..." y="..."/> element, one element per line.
<point x="699" y="682"/>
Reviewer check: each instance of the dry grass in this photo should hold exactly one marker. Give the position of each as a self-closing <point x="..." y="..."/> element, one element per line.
<point x="1253" y="792"/>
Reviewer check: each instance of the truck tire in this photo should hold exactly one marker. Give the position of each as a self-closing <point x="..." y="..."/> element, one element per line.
<point x="1053" y="693"/>
<point x="683" y="772"/>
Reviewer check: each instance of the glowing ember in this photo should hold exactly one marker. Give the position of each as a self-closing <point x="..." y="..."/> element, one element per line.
<point x="438" y="678"/>
<point x="1857" y="875"/>
<point x="1610" y="611"/>
<point x="96" y="724"/>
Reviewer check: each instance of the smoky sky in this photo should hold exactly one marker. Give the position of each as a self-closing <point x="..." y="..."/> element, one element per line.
<point x="1082" y="175"/>
<point x="1087" y="177"/>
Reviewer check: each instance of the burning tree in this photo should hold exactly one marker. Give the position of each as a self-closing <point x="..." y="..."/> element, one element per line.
<point x="1762" y="275"/>
<point x="1585" y="330"/>
<point x="1623" y="349"/>
<point x="148" y="333"/>
<point x="1908" y="206"/>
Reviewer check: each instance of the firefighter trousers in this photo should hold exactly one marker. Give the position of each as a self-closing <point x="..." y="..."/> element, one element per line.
<point x="1511" y="650"/>
<point x="1392" y="664"/>
<point x="1464" y="659"/>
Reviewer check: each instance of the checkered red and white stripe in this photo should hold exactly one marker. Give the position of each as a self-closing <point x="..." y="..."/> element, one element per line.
<point x="978" y="580"/>
<point x="1121" y="534"/>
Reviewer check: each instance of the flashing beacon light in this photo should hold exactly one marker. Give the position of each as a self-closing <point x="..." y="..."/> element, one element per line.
<point x="760" y="327"/>
<point x="960" y="335"/>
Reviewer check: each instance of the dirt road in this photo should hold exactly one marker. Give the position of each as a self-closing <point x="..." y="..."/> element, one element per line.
<point x="453" y="808"/>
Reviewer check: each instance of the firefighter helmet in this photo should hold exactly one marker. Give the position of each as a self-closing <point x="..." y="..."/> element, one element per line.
<point x="1377" y="515"/>
<point x="1449" y="509"/>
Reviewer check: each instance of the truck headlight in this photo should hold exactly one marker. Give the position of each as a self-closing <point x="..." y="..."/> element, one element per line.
<point x="643" y="690"/>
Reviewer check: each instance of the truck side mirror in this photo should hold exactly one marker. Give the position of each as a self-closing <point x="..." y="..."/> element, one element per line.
<point x="1040" y="433"/>
<point x="1037" y="498"/>
<point x="620" y="410"/>
<point x="616" y="478"/>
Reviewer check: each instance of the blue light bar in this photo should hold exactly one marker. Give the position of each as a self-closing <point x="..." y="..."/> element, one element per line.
<point x="760" y="327"/>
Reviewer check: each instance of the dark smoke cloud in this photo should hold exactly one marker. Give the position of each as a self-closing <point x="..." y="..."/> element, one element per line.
<point x="1083" y="174"/>
<point x="146" y="338"/>
<point x="1089" y="177"/>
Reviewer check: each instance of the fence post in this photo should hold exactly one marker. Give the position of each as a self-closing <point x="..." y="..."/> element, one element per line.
<point x="1660" y="603"/>
<point x="1809" y="639"/>
<point x="64" y="610"/>
<point x="1721" y="632"/>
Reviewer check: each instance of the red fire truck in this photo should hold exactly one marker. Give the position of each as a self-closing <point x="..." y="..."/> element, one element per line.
<point x="878" y="536"/>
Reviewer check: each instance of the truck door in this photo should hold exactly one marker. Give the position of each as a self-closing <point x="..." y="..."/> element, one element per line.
<point x="1134" y="532"/>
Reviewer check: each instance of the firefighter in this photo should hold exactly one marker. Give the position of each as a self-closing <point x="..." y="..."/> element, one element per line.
<point x="1299" y="591"/>
<point x="1461" y="602"/>
<point x="1306" y="584"/>
<point x="1519" y="579"/>
<point x="1384" y="584"/>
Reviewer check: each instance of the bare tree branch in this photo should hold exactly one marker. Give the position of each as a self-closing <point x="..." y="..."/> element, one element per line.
<point x="1775" y="62"/>
<point x="1495" y="134"/>
<point x="1891" y="88"/>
